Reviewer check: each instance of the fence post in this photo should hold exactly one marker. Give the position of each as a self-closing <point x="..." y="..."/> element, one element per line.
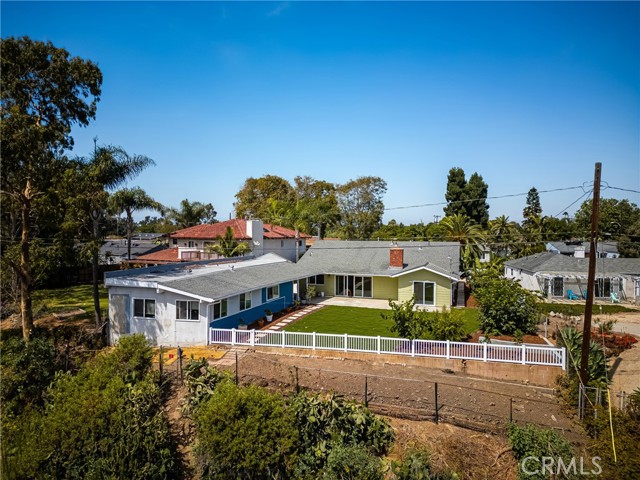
<point x="180" y="364"/>
<point x="346" y="342"/>
<point x="511" y="410"/>
<point x="448" y="349"/>
<point x="252" y="338"/>
<point x="436" y="401"/>
<point x="283" y="340"/>
<point x="378" y="344"/>
<point x="564" y="358"/>
<point x="236" y="368"/>
<point x="313" y="336"/>
<point x="524" y="354"/>
<point x="233" y="336"/>
<point x="484" y="352"/>
<point x="366" y="391"/>
<point x="413" y="347"/>
<point x="160" y="364"/>
<point x="297" y="381"/>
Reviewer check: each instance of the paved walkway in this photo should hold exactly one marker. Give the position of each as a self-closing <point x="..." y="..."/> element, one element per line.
<point x="353" y="302"/>
<point x="282" y="322"/>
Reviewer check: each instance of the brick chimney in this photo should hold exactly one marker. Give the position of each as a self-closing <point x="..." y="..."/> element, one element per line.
<point x="396" y="257"/>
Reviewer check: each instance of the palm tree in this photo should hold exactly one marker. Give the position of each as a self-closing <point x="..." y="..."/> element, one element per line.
<point x="228" y="246"/>
<point x="192" y="213"/>
<point x="89" y="180"/>
<point x="459" y="228"/>
<point x="129" y="200"/>
<point x="503" y="233"/>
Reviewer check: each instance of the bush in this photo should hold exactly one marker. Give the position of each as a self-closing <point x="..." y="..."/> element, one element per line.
<point x="531" y="441"/>
<point x="104" y="422"/>
<point x="244" y="433"/>
<point x="410" y="323"/>
<point x="352" y="462"/>
<point x="201" y="381"/>
<point x="444" y="325"/>
<point x="506" y="307"/>
<point x="407" y="322"/>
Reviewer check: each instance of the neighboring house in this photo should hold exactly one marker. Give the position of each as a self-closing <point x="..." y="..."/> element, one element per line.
<point x="263" y="238"/>
<point x="387" y="271"/>
<point x="177" y="304"/>
<point x="553" y="274"/>
<point x="115" y="251"/>
<point x="583" y="249"/>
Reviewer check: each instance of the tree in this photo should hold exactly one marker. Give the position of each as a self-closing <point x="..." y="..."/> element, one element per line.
<point x="361" y="206"/>
<point x="506" y="307"/>
<point x="253" y="198"/>
<point x="455" y="196"/>
<point x="44" y="93"/>
<point x="228" y="246"/>
<point x="321" y="203"/>
<point x="192" y="213"/>
<point x="289" y="215"/>
<point x="504" y="235"/>
<point x="533" y="209"/>
<point x="458" y="228"/>
<point x="88" y="183"/>
<point x="616" y="217"/>
<point x="476" y="206"/>
<point x="129" y="200"/>
<point x="629" y="244"/>
<point x="407" y="321"/>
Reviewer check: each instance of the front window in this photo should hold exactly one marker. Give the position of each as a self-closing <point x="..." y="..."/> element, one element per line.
<point x="273" y="292"/>
<point x="316" y="280"/>
<point x="245" y="301"/>
<point x="558" y="287"/>
<point x="187" y="310"/>
<point x="424" y="293"/>
<point x="220" y="309"/>
<point x="144" y="308"/>
<point x="191" y="244"/>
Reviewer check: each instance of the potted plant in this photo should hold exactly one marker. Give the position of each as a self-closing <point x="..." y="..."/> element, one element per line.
<point x="269" y="314"/>
<point x="242" y="325"/>
<point x="311" y="292"/>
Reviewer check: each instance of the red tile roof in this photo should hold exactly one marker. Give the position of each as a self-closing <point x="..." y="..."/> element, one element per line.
<point x="214" y="230"/>
<point x="162" y="256"/>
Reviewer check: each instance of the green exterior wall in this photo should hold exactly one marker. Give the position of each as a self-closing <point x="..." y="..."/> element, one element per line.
<point x="329" y="286"/>
<point x="443" y="286"/>
<point x="385" y="288"/>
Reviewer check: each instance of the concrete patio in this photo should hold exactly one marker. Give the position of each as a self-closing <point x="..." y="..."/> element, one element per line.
<point x="352" y="302"/>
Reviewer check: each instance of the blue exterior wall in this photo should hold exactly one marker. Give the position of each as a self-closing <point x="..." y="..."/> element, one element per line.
<point x="256" y="313"/>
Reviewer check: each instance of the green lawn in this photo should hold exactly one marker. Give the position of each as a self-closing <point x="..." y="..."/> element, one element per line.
<point x="61" y="299"/>
<point x="361" y="321"/>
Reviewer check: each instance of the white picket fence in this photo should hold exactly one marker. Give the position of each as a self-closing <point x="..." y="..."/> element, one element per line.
<point x="486" y="352"/>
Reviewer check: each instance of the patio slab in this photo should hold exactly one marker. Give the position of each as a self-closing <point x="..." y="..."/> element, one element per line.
<point x="352" y="302"/>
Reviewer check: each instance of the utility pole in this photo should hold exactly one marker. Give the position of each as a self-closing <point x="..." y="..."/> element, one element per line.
<point x="591" y="278"/>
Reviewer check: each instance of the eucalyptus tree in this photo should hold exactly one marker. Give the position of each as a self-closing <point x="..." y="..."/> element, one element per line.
<point x="294" y="215"/>
<point x="88" y="185"/>
<point x="129" y="200"/>
<point x="361" y="206"/>
<point x="44" y="93"/>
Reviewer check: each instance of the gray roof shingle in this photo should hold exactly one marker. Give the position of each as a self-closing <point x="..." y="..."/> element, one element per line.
<point x="549" y="262"/>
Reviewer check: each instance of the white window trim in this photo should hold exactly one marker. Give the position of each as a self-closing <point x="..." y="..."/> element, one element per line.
<point x="213" y="312"/>
<point x="188" y="310"/>
<point x="435" y="292"/>
<point x="243" y="305"/>
<point x="144" y="307"/>
<point x="275" y="297"/>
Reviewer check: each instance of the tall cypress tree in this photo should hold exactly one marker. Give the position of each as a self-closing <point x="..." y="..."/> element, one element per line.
<point x="476" y="206"/>
<point x="533" y="208"/>
<point x="455" y="196"/>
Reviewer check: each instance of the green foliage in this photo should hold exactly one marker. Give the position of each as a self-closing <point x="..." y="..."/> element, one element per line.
<point x="201" y="381"/>
<point x="252" y="200"/>
<point x="533" y="208"/>
<point x="244" y="433"/>
<point x="104" y="422"/>
<point x="361" y="206"/>
<point x="571" y="338"/>
<point x="228" y="246"/>
<point x="416" y="465"/>
<point x="531" y="441"/>
<point x="443" y="325"/>
<point x="351" y="462"/>
<point x="192" y="213"/>
<point x="467" y="198"/>
<point x="407" y="321"/>
<point x="455" y="195"/>
<point x="629" y="243"/>
<point x="575" y="309"/>
<point x="323" y="423"/>
<point x="617" y="217"/>
<point x="506" y="307"/>
<point x="27" y="369"/>
<point x="459" y="228"/>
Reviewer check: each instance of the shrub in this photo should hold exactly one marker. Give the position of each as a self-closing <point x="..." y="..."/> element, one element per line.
<point x="104" y="422"/>
<point x="531" y="441"/>
<point x="506" y="307"/>
<point x="352" y="462"/>
<point x="244" y="433"/>
<point x="201" y="381"/>
<point x="407" y="322"/>
<point x="444" y="325"/>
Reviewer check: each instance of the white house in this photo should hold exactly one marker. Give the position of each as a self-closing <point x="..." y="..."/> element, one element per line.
<point x="176" y="304"/>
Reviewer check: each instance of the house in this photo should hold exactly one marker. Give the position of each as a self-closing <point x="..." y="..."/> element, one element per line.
<point x="191" y="243"/>
<point x="387" y="271"/>
<point x="583" y="249"/>
<point x="115" y="251"/>
<point x="176" y="304"/>
<point x="553" y="274"/>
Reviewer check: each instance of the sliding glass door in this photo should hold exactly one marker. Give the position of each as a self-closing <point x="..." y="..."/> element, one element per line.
<point x="354" y="286"/>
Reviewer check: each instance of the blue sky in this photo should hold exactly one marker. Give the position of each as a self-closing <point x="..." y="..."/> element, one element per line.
<point x="525" y="94"/>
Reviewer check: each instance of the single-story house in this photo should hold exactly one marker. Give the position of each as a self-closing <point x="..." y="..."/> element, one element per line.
<point x="387" y="271"/>
<point x="607" y="249"/>
<point x="177" y="304"/>
<point x="191" y="243"/>
<point x="115" y="251"/>
<point x="553" y="274"/>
